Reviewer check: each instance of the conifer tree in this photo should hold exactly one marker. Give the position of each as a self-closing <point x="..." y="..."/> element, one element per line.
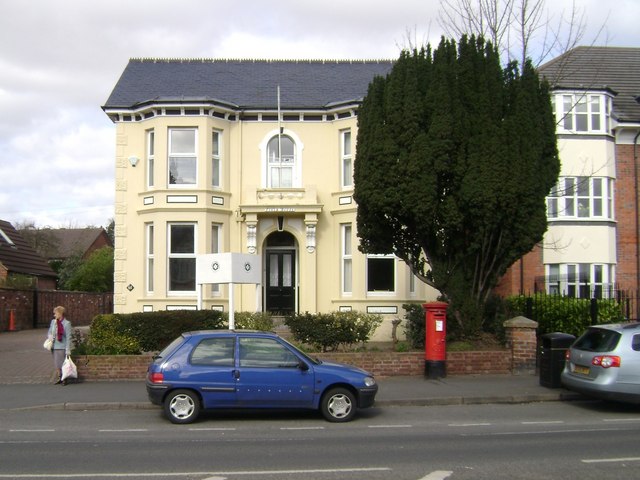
<point x="455" y="158"/>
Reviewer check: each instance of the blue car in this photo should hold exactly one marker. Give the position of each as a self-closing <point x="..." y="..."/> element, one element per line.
<point x="229" y="369"/>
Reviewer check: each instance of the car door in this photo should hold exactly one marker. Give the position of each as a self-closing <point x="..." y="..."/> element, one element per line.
<point x="212" y="371"/>
<point x="630" y="367"/>
<point x="271" y="375"/>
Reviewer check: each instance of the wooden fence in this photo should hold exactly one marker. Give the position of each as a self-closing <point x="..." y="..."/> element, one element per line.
<point x="27" y="309"/>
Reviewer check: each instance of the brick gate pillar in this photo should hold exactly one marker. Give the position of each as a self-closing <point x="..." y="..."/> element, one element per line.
<point x="521" y="340"/>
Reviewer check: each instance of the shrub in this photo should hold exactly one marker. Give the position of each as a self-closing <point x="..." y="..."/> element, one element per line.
<point x="415" y="325"/>
<point x="252" y="321"/>
<point x="555" y="313"/>
<point x="328" y="331"/>
<point x="109" y="336"/>
<point x="134" y="333"/>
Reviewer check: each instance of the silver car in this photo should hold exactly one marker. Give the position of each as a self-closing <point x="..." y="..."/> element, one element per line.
<point x="605" y="363"/>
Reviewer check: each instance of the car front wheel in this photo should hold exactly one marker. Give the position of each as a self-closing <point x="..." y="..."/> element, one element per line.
<point x="338" y="405"/>
<point x="182" y="406"/>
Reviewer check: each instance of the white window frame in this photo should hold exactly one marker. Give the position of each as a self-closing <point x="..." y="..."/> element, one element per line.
<point x="182" y="156"/>
<point x="381" y="293"/>
<point x="346" y="268"/>
<point x="181" y="255"/>
<point x="346" y="159"/>
<point x="150" y="257"/>
<point x="412" y="283"/>
<point x="151" y="158"/>
<point x="216" y="159"/>
<point x="575" y="198"/>
<point x="297" y="167"/>
<point x="583" y="113"/>
<point x="216" y="247"/>
<point x="580" y="280"/>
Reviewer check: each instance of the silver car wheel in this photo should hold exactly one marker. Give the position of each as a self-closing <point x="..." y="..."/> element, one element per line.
<point x="182" y="406"/>
<point x="338" y="405"/>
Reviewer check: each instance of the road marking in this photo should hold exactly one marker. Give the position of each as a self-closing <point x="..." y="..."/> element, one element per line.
<point x="544" y="432"/>
<point x="621" y="420"/>
<point x="469" y="424"/>
<point x="123" y="430"/>
<point x="612" y="460"/>
<point x="550" y="422"/>
<point x="23" y="430"/>
<point x="212" y="429"/>
<point x="437" y="475"/>
<point x="199" y="474"/>
<point x="389" y="426"/>
<point x="302" y="428"/>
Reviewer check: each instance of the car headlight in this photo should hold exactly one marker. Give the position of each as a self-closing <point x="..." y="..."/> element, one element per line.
<point x="369" y="381"/>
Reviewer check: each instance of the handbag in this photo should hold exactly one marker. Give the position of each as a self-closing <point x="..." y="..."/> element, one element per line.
<point x="48" y="344"/>
<point x="69" y="369"/>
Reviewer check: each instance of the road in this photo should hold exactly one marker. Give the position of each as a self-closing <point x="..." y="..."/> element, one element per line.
<point x="586" y="440"/>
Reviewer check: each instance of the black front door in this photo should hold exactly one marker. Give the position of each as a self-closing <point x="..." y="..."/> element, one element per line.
<point x="280" y="282"/>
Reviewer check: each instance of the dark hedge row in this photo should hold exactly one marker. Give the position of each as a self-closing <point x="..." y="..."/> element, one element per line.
<point x="134" y="333"/>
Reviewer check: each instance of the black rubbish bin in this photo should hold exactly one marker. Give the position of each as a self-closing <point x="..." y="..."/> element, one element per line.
<point x="552" y="357"/>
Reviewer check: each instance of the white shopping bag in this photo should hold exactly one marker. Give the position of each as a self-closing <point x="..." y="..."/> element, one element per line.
<point x="69" y="369"/>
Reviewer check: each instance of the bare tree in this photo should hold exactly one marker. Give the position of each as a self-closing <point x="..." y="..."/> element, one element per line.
<point x="519" y="29"/>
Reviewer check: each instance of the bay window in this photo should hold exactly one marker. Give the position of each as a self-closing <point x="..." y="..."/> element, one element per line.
<point x="347" y="260"/>
<point x="150" y="158"/>
<point x="583" y="113"/>
<point x="580" y="280"/>
<point x="346" y="159"/>
<point x="149" y="233"/>
<point x="182" y="257"/>
<point x="215" y="159"/>
<point x="381" y="276"/>
<point x="183" y="161"/>
<point x="581" y="198"/>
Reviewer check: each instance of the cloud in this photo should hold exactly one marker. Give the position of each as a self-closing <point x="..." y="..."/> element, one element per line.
<point x="60" y="59"/>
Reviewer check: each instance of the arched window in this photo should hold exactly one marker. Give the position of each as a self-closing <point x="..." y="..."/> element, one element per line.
<point x="281" y="162"/>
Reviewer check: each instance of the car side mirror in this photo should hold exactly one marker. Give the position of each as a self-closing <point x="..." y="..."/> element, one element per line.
<point x="303" y="366"/>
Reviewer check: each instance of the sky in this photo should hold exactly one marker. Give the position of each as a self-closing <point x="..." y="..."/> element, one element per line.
<point x="60" y="59"/>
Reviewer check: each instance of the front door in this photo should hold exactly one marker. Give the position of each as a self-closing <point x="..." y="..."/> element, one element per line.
<point x="280" y="289"/>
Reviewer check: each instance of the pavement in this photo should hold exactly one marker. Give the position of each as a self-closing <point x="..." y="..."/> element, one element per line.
<point x="27" y="372"/>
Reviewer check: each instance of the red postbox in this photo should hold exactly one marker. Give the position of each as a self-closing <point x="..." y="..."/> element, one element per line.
<point x="435" y="352"/>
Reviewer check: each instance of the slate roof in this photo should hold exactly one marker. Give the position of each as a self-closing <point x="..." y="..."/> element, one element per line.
<point x="592" y="68"/>
<point x="245" y="84"/>
<point x="18" y="256"/>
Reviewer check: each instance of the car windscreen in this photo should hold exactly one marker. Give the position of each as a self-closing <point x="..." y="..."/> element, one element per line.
<point x="313" y="361"/>
<point x="169" y="349"/>
<point x="598" y="340"/>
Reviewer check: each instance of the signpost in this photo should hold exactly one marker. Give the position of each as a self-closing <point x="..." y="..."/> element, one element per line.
<point x="229" y="268"/>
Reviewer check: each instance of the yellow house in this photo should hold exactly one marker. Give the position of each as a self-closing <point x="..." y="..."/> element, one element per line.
<point x="247" y="156"/>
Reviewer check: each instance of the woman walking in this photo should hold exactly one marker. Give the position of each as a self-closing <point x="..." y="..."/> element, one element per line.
<point x="60" y="332"/>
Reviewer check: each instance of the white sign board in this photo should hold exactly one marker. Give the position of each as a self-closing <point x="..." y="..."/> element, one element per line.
<point x="228" y="268"/>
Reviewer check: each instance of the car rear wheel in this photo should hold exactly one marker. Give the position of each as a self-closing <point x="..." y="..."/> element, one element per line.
<point x="338" y="405"/>
<point x="182" y="406"/>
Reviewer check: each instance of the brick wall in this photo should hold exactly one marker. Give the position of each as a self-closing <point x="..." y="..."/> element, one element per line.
<point x="518" y="357"/>
<point x="34" y="308"/>
<point x="626" y="211"/>
<point x="381" y="364"/>
<point x="112" y="367"/>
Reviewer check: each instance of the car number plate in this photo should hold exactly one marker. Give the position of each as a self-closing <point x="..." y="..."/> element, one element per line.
<point x="581" y="370"/>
